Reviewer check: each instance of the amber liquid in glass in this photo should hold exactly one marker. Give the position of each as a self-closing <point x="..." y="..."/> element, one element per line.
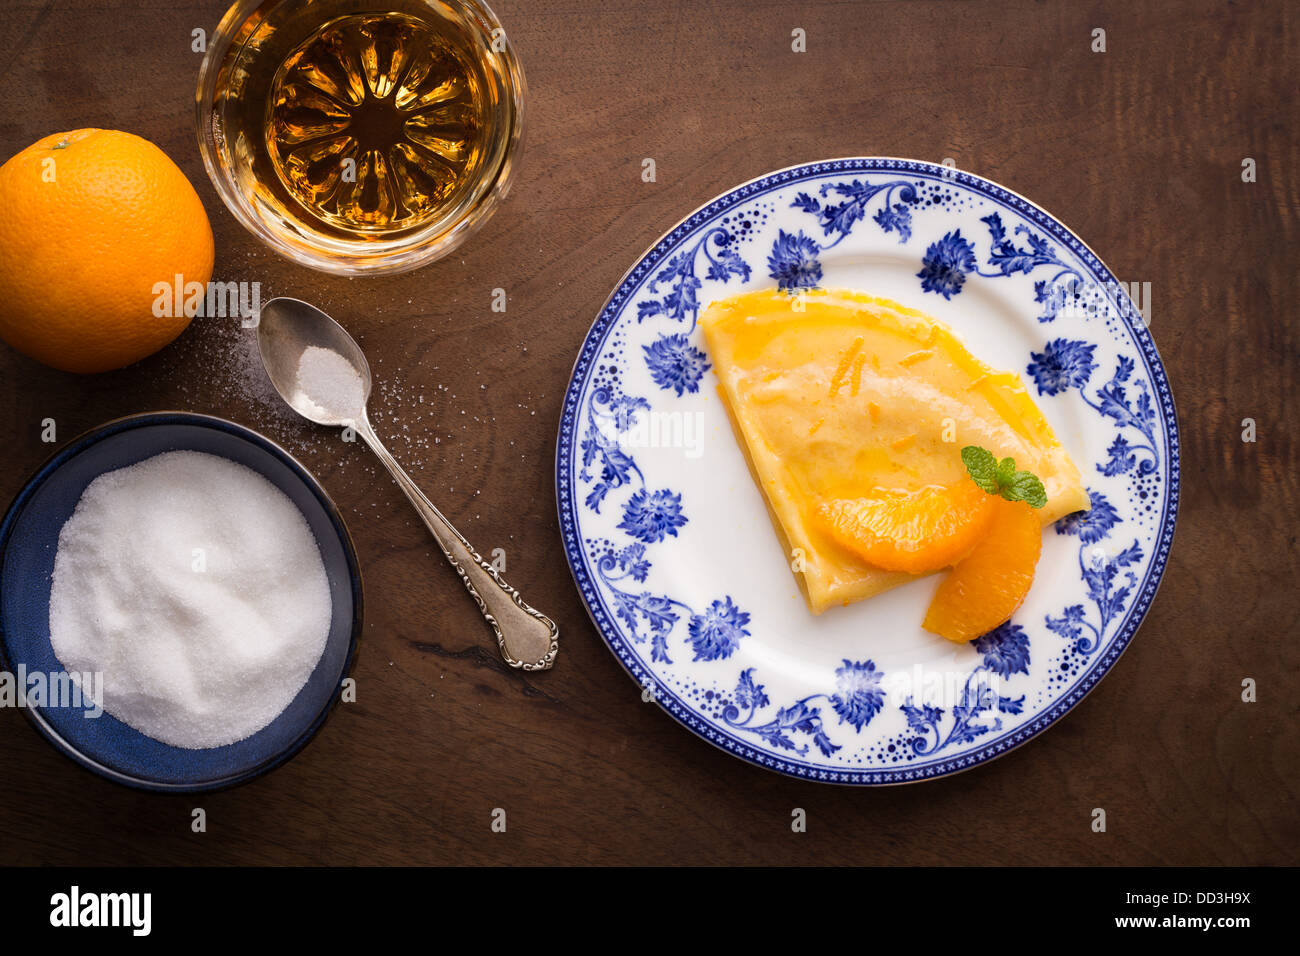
<point x="363" y="125"/>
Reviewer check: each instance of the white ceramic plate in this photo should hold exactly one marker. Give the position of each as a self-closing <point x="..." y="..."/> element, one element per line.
<point x="669" y="540"/>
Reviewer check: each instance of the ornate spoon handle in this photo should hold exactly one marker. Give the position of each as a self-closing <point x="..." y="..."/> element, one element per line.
<point x="528" y="638"/>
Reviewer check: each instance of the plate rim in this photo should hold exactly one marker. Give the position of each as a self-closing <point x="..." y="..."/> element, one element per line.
<point x="114" y="426"/>
<point x="989" y="750"/>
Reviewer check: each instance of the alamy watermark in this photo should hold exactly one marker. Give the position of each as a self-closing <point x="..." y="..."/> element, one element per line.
<point x="643" y="428"/>
<point x="923" y="687"/>
<point x="22" y="688"/>
<point x="242" y="300"/>
<point x="76" y="908"/>
<point x="1072" y="298"/>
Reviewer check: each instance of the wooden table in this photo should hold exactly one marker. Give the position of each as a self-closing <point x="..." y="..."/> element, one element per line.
<point x="1139" y="149"/>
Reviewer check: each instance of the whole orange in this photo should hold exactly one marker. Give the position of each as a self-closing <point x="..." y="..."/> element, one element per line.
<point x="92" y="220"/>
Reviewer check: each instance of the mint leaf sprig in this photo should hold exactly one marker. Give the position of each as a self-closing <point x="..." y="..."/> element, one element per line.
<point x="1002" y="478"/>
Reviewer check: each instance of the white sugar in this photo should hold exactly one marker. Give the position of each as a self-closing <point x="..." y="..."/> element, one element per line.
<point x="196" y="588"/>
<point x="329" y="382"/>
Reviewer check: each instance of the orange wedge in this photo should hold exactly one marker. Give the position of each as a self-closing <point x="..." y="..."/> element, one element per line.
<point x="989" y="584"/>
<point x="916" y="531"/>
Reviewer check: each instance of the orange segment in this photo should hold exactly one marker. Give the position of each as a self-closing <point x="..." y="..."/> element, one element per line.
<point x="916" y="531"/>
<point x="988" y="585"/>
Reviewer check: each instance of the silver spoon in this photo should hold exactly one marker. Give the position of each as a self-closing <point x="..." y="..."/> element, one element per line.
<point x="286" y="329"/>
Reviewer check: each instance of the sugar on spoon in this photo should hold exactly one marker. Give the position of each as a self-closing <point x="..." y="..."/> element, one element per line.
<point x="322" y="373"/>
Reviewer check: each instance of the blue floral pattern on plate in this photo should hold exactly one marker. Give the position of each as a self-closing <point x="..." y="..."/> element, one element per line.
<point x="673" y="553"/>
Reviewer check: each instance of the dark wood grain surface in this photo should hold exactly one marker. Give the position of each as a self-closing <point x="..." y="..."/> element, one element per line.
<point x="1139" y="149"/>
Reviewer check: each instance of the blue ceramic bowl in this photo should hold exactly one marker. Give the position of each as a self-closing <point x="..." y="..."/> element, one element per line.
<point x="29" y="538"/>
